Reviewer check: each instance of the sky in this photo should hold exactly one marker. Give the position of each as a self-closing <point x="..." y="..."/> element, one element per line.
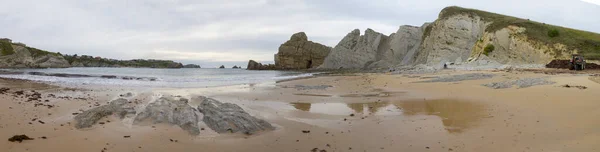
<point x="231" y="32"/>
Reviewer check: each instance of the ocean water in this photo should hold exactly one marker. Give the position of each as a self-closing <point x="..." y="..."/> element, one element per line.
<point x="155" y="78"/>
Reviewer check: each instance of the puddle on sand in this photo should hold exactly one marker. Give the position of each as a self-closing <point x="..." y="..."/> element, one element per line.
<point x="456" y="115"/>
<point x="373" y="108"/>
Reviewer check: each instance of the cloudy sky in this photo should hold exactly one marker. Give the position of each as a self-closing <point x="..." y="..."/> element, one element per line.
<point x="214" y="32"/>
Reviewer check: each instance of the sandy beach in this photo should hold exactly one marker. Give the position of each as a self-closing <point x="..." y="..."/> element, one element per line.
<point x="353" y="112"/>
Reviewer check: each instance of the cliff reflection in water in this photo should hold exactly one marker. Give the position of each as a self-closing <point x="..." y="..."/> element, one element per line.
<point x="456" y="115"/>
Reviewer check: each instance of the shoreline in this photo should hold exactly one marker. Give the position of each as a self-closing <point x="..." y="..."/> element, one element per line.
<point x="356" y="112"/>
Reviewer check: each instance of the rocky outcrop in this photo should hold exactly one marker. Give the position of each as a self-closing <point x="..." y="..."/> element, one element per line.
<point x="89" y="61"/>
<point x="236" y="67"/>
<point x="404" y="45"/>
<point x="355" y="51"/>
<point x="375" y="50"/>
<point x="450" y="39"/>
<point x="191" y="66"/>
<point x="90" y="117"/>
<point x="512" y="46"/>
<point x="462" y="36"/>
<point x="171" y="111"/>
<point x="300" y="53"/>
<point x="253" y="65"/>
<point x="21" y="56"/>
<point x="230" y="118"/>
<point x="222" y="67"/>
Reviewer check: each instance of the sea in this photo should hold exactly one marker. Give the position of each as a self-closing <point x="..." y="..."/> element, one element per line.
<point x="150" y="77"/>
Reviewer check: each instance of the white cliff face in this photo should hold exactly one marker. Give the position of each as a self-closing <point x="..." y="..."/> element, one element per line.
<point x="404" y="45"/>
<point x="511" y="46"/>
<point x="375" y="50"/>
<point x="355" y="51"/>
<point x="450" y="40"/>
<point x="459" y="38"/>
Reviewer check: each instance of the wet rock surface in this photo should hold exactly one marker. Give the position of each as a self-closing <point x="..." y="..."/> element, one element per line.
<point x="462" y="77"/>
<point x="520" y="83"/>
<point x="230" y="118"/>
<point x="91" y="117"/>
<point x="19" y="138"/>
<point x="172" y="111"/>
<point x="574" y="86"/>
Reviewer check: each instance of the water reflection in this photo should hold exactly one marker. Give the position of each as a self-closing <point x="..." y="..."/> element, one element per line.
<point x="348" y="108"/>
<point x="456" y="115"/>
<point x="302" y="106"/>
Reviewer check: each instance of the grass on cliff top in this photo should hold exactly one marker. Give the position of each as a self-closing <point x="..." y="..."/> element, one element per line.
<point x="37" y="52"/>
<point x="6" y="48"/>
<point x="588" y="43"/>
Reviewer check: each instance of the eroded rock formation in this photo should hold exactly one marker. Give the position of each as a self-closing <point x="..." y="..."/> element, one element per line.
<point x="171" y="111"/>
<point x="300" y="53"/>
<point x="230" y="118"/>
<point x="91" y="117"/>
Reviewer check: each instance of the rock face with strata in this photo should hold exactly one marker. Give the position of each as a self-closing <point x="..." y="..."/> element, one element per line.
<point x="374" y="50"/>
<point x="91" y="117"/>
<point x="450" y="39"/>
<point x="300" y="53"/>
<point x="26" y="57"/>
<point x="171" y="111"/>
<point x="230" y="118"/>
<point x="355" y="51"/>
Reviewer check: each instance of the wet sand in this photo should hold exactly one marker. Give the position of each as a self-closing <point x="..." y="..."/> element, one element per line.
<point x="366" y="112"/>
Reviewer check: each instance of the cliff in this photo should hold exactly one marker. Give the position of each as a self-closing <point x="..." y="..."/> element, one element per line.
<point x="89" y="61"/>
<point x="19" y="55"/>
<point x="300" y="53"/>
<point x="462" y="35"/>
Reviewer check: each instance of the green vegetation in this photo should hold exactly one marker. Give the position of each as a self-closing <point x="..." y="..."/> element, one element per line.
<point x="90" y="61"/>
<point x="587" y="43"/>
<point x="38" y="53"/>
<point x="553" y="33"/>
<point x="488" y="49"/>
<point x="6" y="48"/>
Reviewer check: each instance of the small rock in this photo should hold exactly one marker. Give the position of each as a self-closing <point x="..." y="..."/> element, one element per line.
<point x="19" y="138"/>
<point x="305" y="131"/>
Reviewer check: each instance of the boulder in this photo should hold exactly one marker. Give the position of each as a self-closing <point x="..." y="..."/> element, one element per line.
<point x="300" y="53"/>
<point x="230" y="118"/>
<point x="90" y="117"/>
<point x="191" y="66"/>
<point x="171" y="111"/>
